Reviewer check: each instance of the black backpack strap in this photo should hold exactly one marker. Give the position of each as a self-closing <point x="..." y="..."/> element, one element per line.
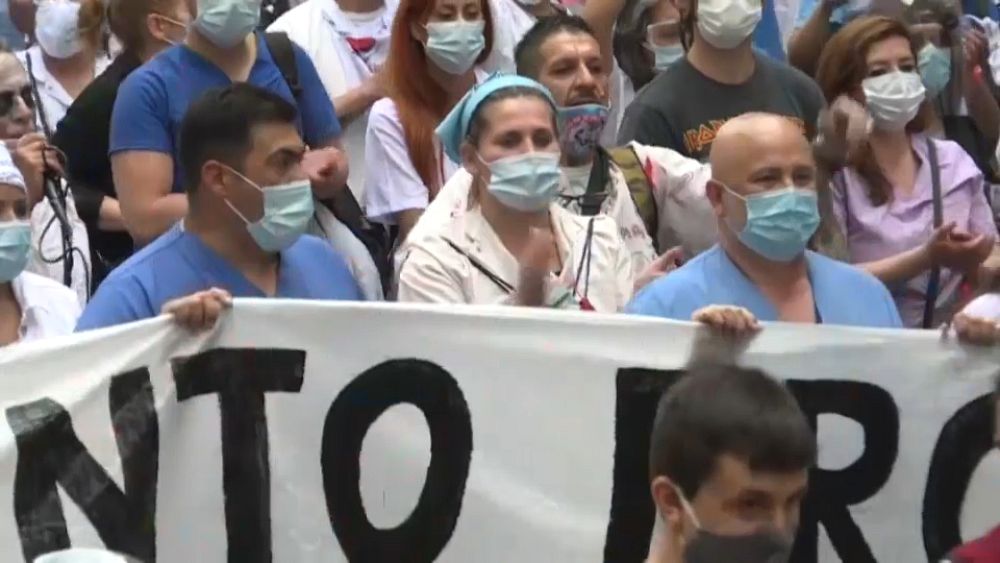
<point x="283" y="54"/>
<point x="597" y="186"/>
<point x="933" y="284"/>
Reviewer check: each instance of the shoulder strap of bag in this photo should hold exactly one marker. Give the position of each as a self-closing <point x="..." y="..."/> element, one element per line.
<point x="933" y="284"/>
<point x="639" y="186"/>
<point x="283" y="54"/>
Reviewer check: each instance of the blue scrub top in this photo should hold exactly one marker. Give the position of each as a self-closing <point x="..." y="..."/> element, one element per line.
<point x="179" y="264"/>
<point x="844" y="294"/>
<point x="152" y="101"/>
<point x="767" y="36"/>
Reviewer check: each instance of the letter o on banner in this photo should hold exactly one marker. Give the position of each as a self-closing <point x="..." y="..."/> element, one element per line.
<point x="426" y="531"/>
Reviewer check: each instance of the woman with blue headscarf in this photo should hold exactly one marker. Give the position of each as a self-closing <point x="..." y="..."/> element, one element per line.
<point x="512" y="244"/>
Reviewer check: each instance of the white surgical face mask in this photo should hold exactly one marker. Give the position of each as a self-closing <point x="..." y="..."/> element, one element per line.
<point x="893" y="99"/>
<point x="57" y="28"/>
<point x="725" y="24"/>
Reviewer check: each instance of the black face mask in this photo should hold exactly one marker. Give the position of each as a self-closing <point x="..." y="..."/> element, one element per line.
<point x="760" y="547"/>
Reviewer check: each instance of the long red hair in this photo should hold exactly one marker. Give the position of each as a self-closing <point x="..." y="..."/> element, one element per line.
<point x="421" y="103"/>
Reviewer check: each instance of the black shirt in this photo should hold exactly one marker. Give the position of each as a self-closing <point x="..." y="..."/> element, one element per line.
<point x="682" y="109"/>
<point x="84" y="135"/>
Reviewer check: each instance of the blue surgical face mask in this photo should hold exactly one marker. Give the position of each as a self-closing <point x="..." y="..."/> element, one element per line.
<point x="227" y="22"/>
<point x="15" y="246"/>
<point x="455" y="46"/>
<point x="526" y="182"/>
<point x="580" y="129"/>
<point x="287" y="211"/>
<point x="935" y="68"/>
<point x="57" y="28"/>
<point x="666" y="55"/>
<point x="779" y="222"/>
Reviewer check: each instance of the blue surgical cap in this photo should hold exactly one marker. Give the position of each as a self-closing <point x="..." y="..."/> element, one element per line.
<point x="455" y="126"/>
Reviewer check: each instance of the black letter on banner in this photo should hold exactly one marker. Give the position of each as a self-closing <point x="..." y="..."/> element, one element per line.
<point x="965" y="439"/>
<point x="632" y="510"/>
<point x="425" y="532"/>
<point x="49" y="452"/>
<point x="241" y="376"/>
<point x="831" y="492"/>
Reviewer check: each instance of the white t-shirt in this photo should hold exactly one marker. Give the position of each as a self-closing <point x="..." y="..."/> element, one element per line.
<point x="322" y="29"/>
<point x="393" y="184"/>
<point x="48" y="247"/>
<point x="55" y="99"/>
<point x="47" y="308"/>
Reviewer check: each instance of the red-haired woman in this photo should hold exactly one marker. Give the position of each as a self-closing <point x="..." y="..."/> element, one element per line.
<point x="436" y="45"/>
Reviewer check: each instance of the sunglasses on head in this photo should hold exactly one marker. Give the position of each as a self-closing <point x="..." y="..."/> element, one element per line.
<point x="8" y="102"/>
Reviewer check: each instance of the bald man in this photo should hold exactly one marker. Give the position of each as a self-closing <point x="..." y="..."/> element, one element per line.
<point x="763" y="194"/>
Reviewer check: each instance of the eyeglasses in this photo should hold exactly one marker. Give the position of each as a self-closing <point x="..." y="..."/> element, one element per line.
<point x="8" y="101"/>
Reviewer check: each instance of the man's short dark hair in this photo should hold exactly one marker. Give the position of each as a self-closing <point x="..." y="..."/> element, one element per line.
<point x="527" y="54"/>
<point x="219" y="126"/>
<point x="723" y="409"/>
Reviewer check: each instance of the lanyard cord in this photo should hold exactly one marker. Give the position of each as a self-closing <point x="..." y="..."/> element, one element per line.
<point x="500" y="282"/>
<point x="585" y="262"/>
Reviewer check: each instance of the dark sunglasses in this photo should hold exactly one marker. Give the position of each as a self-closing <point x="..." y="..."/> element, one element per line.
<point x="7" y="101"/>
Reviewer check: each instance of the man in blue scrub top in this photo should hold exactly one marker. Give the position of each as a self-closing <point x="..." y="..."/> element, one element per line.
<point x="764" y="196"/>
<point x="221" y="49"/>
<point x="250" y="203"/>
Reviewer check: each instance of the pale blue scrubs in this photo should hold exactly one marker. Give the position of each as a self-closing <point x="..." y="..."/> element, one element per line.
<point x="844" y="294"/>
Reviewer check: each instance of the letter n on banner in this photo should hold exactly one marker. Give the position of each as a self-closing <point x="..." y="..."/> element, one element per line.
<point x="50" y="452"/>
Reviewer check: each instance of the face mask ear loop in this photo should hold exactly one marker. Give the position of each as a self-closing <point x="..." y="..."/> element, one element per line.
<point x="688" y="509"/>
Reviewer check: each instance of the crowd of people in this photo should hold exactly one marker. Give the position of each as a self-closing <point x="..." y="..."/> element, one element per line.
<point x="722" y="161"/>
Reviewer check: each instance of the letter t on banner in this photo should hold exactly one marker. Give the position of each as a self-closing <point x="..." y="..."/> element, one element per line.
<point x="241" y="376"/>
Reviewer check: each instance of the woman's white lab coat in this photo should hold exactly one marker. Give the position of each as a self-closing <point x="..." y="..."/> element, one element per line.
<point x="462" y="261"/>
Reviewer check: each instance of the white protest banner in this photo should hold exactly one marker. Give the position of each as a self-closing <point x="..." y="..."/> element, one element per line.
<point x="301" y="432"/>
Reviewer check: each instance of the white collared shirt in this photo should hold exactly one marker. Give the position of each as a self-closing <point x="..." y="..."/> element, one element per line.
<point x="55" y="99"/>
<point x="464" y="262"/>
<point x="47" y="308"/>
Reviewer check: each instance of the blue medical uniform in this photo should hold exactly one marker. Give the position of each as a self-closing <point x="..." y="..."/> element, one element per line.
<point x="767" y="36"/>
<point x="152" y="101"/>
<point x="844" y="294"/>
<point x="179" y="264"/>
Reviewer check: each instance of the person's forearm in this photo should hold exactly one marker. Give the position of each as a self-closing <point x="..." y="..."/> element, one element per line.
<point x="806" y="45"/>
<point x="901" y="267"/>
<point x="110" y="216"/>
<point x="156" y="219"/>
<point x="983" y="109"/>
<point x="353" y="103"/>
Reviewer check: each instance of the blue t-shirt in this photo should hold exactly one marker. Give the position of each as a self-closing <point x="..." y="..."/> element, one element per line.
<point x="844" y="294"/>
<point x="767" y="36"/>
<point x="179" y="264"/>
<point x="152" y="101"/>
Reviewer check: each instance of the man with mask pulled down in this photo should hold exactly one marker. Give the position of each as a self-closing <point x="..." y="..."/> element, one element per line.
<point x="763" y="193"/>
<point x="720" y="78"/>
<point x="729" y="460"/>
<point x="250" y="203"/>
